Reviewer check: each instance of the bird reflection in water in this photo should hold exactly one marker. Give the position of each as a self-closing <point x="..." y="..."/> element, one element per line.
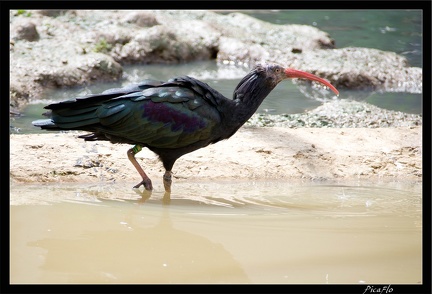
<point x="146" y="194"/>
<point x="117" y="243"/>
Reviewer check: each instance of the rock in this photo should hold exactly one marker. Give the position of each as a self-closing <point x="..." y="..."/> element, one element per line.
<point x="271" y="36"/>
<point x="164" y="44"/>
<point x="141" y="18"/>
<point x="339" y="114"/>
<point x="24" y="29"/>
<point x="232" y="50"/>
<point x="106" y="41"/>
<point x="361" y="68"/>
<point x="81" y="70"/>
<point x="51" y="12"/>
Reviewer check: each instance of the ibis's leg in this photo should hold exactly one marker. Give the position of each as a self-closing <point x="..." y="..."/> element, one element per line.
<point x="146" y="182"/>
<point x="167" y="181"/>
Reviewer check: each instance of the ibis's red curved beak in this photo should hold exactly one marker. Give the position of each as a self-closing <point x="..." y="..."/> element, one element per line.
<point x="293" y="73"/>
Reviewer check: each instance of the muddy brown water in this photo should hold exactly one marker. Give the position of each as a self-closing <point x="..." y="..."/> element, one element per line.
<point x="217" y="232"/>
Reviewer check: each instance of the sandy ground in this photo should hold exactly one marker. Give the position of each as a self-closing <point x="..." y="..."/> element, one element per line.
<point x="252" y="153"/>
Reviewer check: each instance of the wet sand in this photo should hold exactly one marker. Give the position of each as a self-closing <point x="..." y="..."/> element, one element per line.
<point x="253" y="153"/>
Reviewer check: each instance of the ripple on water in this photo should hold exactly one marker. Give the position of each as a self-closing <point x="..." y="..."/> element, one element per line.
<point x="355" y="199"/>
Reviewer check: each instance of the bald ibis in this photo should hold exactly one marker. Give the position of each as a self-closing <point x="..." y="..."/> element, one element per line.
<point x="170" y="118"/>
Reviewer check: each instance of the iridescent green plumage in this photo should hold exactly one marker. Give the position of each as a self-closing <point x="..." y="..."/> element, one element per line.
<point x="170" y="118"/>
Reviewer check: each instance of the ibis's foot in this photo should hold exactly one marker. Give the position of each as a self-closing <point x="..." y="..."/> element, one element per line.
<point x="146" y="183"/>
<point x="167" y="181"/>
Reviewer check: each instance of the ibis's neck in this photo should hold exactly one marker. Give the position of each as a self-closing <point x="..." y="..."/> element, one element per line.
<point x="249" y="94"/>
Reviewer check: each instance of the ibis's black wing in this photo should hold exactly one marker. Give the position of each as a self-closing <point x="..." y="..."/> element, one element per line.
<point x="161" y="115"/>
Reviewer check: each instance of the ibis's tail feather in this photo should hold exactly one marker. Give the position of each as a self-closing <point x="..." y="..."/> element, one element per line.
<point x="47" y="124"/>
<point x="80" y="113"/>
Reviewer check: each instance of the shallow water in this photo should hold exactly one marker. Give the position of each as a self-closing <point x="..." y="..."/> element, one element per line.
<point x="395" y="30"/>
<point x="219" y="232"/>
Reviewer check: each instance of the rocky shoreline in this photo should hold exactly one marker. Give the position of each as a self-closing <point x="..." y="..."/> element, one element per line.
<point x="339" y="114"/>
<point x="63" y="48"/>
